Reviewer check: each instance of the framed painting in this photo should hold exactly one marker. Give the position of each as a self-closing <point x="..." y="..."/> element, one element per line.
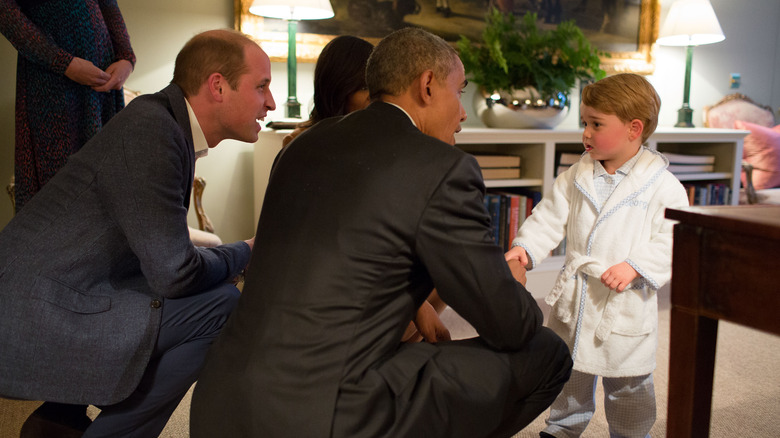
<point x="626" y="29"/>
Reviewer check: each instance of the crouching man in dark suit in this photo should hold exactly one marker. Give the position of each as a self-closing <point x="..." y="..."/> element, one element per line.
<point x="104" y="299"/>
<point x="364" y="214"/>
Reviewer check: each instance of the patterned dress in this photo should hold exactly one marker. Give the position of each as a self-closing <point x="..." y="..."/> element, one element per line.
<point x="55" y="116"/>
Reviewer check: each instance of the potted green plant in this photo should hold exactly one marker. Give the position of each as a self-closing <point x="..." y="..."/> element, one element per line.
<point x="526" y="73"/>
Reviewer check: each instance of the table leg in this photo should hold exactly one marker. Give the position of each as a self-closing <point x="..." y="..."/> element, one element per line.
<point x="692" y="363"/>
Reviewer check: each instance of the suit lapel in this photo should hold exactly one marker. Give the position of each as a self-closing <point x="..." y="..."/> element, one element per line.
<point x="179" y="110"/>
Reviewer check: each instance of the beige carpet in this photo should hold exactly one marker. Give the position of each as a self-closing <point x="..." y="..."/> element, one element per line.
<point x="746" y="400"/>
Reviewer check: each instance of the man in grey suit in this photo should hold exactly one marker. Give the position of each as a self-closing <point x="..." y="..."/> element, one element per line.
<point x="104" y="300"/>
<point x="364" y="214"/>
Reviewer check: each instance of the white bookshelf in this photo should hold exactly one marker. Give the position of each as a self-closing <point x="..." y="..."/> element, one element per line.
<point x="538" y="148"/>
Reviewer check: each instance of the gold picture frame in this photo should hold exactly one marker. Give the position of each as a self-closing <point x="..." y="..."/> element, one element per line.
<point x="272" y="36"/>
<point x="642" y="60"/>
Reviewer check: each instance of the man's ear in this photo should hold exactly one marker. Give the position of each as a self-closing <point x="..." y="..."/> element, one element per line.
<point x="215" y="83"/>
<point x="426" y="86"/>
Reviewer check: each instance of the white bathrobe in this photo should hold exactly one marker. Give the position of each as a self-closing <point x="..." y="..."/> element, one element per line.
<point x="619" y="331"/>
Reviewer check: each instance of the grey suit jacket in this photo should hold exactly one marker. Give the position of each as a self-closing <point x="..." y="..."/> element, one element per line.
<point x="363" y="215"/>
<point x="86" y="265"/>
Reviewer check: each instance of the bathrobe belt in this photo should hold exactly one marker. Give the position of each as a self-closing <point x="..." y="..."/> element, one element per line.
<point x="587" y="265"/>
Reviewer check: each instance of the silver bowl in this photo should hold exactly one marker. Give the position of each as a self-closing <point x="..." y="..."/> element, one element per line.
<point x="523" y="109"/>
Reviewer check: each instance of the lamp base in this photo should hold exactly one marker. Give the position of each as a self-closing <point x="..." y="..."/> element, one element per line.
<point x="293" y="108"/>
<point x="685" y="117"/>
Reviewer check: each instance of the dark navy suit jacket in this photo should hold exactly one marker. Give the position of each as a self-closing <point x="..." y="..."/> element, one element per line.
<point x="86" y="265"/>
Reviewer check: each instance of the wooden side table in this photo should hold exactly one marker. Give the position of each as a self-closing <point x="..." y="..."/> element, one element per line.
<point x="725" y="265"/>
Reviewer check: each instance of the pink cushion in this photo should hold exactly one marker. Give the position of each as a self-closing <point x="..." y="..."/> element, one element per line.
<point x="762" y="149"/>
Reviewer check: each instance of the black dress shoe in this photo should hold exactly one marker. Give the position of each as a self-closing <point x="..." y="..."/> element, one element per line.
<point x="56" y="420"/>
<point x="545" y="435"/>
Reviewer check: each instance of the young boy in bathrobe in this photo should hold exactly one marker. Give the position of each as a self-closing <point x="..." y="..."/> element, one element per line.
<point x="610" y="208"/>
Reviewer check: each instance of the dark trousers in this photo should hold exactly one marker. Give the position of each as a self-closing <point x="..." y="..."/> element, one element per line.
<point x="188" y="327"/>
<point x="464" y="389"/>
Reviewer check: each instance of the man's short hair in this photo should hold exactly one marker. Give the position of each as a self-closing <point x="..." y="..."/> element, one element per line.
<point x="628" y="96"/>
<point x="215" y="51"/>
<point x="402" y="57"/>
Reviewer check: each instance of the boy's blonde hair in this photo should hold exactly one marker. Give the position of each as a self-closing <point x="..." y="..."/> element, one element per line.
<point x="628" y="96"/>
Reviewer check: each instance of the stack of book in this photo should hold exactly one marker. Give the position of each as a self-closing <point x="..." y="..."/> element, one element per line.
<point x="508" y="210"/>
<point x="565" y="160"/>
<point x="685" y="163"/>
<point x="678" y="163"/>
<point x="499" y="166"/>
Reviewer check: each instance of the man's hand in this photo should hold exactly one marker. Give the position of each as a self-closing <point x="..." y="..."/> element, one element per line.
<point x="517" y="253"/>
<point x="429" y="326"/>
<point x="240" y="277"/>
<point x="119" y="72"/>
<point x="85" y="73"/>
<point x="411" y="335"/>
<point x="619" y="276"/>
<point x="518" y="270"/>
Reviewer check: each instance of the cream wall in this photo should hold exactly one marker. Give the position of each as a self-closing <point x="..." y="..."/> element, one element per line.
<point x="158" y="29"/>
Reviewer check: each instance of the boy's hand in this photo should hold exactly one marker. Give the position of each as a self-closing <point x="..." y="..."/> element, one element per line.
<point x="619" y="276"/>
<point x="517" y="253"/>
<point x="518" y="271"/>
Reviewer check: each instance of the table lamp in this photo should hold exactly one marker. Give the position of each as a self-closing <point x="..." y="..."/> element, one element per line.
<point x="292" y="11"/>
<point x="689" y="23"/>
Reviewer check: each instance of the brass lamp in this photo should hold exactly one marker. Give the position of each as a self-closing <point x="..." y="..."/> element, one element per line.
<point x="689" y="23"/>
<point x="292" y="11"/>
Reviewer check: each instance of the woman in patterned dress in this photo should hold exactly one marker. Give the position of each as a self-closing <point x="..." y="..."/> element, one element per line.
<point x="74" y="57"/>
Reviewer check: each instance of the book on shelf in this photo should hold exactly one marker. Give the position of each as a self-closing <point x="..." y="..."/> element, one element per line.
<point x="507" y="212"/>
<point x="568" y="158"/>
<point x="708" y="194"/>
<point x="534" y="197"/>
<point x="493" y="206"/>
<point x="485" y="160"/>
<point x="502" y="221"/>
<point x="499" y="207"/>
<point x="500" y="173"/>
<point x="512" y="216"/>
<point x="689" y="159"/>
<point x="564" y="160"/>
<point x="499" y="166"/>
<point x="690" y="168"/>
<point x="562" y="168"/>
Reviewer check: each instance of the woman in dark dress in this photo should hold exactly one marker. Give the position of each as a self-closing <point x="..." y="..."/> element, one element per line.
<point x="74" y="57"/>
<point x="339" y="81"/>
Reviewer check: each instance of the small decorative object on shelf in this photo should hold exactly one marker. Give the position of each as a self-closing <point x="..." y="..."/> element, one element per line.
<point x="526" y="73"/>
